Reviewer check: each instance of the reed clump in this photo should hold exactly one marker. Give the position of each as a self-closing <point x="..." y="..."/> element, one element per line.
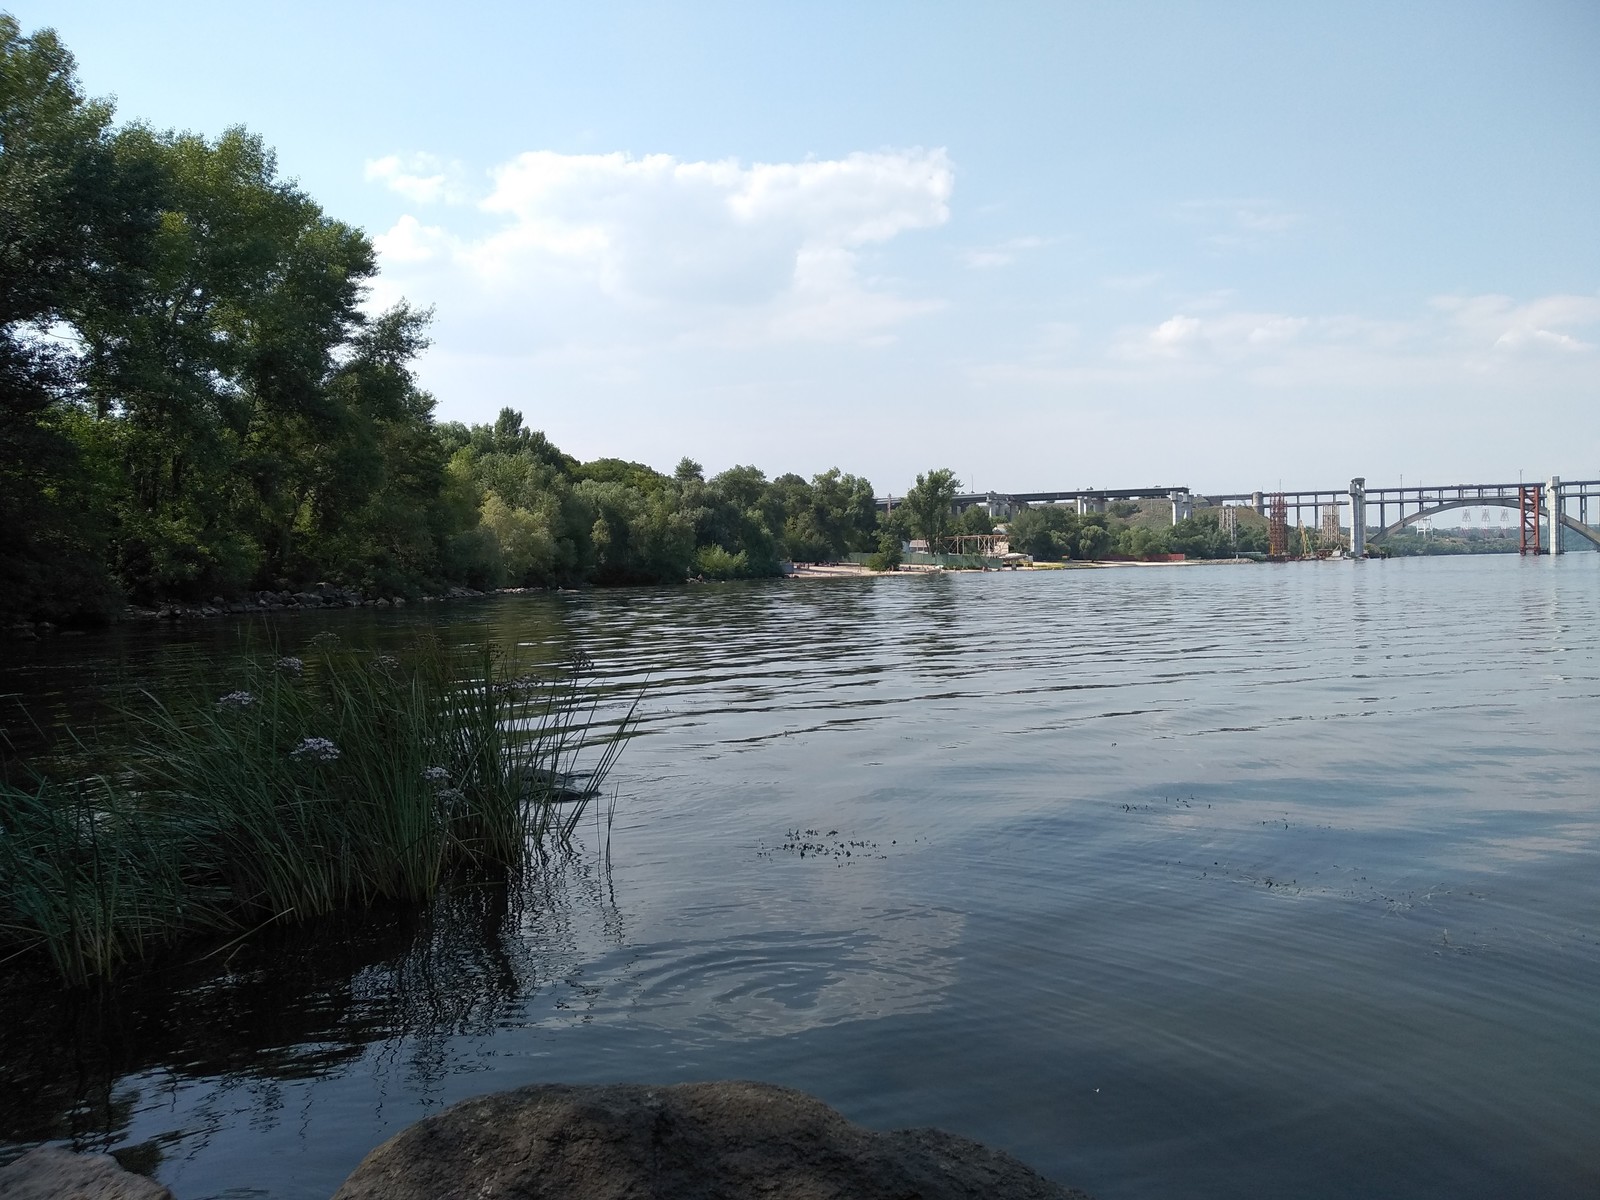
<point x="312" y="784"/>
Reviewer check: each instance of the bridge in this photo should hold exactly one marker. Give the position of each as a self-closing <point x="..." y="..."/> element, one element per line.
<point x="1562" y="505"/>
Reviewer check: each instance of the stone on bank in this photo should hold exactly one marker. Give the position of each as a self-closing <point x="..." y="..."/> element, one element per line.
<point x="694" y="1140"/>
<point x="51" y="1173"/>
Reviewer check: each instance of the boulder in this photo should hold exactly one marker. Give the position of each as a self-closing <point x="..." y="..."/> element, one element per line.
<point x="51" y="1173"/>
<point x="692" y="1141"/>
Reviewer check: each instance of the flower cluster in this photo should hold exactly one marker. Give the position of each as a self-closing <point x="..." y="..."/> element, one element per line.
<point x="315" y="749"/>
<point x="326" y="638"/>
<point x="290" y="664"/>
<point x="435" y="775"/>
<point x="386" y="662"/>
<point x="235" y="700"/>
<point x="450" y="795"/>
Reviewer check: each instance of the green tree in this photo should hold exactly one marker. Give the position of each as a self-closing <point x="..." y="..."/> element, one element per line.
<point x="975" y="520"/>
<point x="931" y="504"/>
<point x="1094" y="538"/>
<point x="897" y="522"/>
<point x="256" y="411"/>
<point x="75" y="233"/>
<point x="845" y="511"/>
<point x="887" y="557"/>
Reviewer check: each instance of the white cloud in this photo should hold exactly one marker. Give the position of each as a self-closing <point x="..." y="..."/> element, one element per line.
<point x="1239" y="224"/>
<point x="1224" y="335"/>
<point x="1454" y="341"/>
<point x="1002" y="254"/>
<point x="410" y="242"/>
<point x="1495" y="326"/>
<point x="420" y="178"/>
<point x="631" y="250"/>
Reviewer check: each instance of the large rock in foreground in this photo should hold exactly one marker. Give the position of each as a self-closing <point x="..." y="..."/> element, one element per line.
<point x="51" y="1173"/>
<point x="694" y="1141"/>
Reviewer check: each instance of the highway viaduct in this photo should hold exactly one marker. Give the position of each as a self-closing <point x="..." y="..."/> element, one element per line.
<point x="1560" y="505"/>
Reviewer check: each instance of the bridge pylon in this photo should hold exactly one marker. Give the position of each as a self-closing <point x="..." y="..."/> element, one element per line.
<point x="1552" y="503"/>
<point x="1358" y="517"/>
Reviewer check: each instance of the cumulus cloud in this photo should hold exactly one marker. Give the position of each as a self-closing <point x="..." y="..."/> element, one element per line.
<point x="656" y="246"/>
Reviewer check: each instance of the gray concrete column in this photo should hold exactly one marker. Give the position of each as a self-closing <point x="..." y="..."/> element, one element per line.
<point x="1258" y="501"/>
<point x="1552" y="507"/>
<point x="1358" y="517"/>
<point x="1182" y="506"/>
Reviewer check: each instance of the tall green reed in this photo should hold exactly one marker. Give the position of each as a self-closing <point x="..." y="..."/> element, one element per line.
<point x="312" y="784"/>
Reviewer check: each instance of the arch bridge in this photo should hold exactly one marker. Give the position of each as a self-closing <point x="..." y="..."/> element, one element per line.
<point x="1557" y="504"/>
<point x="1551" y="502"/>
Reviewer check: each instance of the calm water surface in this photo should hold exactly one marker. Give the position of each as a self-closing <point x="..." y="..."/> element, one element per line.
<point x="1174" y="882"/>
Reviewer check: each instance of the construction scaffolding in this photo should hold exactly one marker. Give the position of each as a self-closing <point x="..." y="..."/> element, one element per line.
<point x="1278" y="527"/>
<point x="989" y="545"/>
<point x="1529" y="498"/>
<point x="1331" y="535"/>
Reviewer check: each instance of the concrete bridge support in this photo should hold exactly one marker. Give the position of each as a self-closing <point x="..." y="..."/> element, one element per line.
<point x="1552" y="504"/>
<point x="1182" y="506"/>
<point x="1258" y="501"/>
<point x="1091" y="504"/>
<point x="1358" y="517"/>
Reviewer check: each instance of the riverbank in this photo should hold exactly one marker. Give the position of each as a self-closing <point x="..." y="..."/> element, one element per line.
<point x="848" y="570"/>
<point x="325" y="597"/>
<point x="321" y="598"/>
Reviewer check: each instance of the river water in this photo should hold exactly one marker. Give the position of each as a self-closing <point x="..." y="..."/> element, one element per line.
<point x="1179" y="881"/>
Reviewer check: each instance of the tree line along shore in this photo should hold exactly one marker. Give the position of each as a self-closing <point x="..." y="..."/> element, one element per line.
<point x="197" y="405"/>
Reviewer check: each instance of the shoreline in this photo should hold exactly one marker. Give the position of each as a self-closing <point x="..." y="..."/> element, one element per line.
<point x="857" y="570"/>
<point x="326" y="597"/>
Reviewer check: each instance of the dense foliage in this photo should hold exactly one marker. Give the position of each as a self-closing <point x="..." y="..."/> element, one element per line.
<point x="1055" y="532"/>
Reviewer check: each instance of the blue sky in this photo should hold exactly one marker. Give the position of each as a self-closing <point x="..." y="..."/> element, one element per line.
<point x="1047" y="245"/>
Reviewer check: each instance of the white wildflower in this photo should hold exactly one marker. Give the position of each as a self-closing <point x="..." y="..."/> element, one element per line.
<point x="435" y="775"/>
<point x="235" y="700"/>
<point x="315" y="749"/>
<point x="386" y="662"/>
<point x="451" y="795"/>
<point x="290" y="664"/>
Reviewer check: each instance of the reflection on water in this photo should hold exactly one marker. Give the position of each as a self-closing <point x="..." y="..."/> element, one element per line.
<point x="296" y="1003"/>
<point x="1172" y="881"/>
